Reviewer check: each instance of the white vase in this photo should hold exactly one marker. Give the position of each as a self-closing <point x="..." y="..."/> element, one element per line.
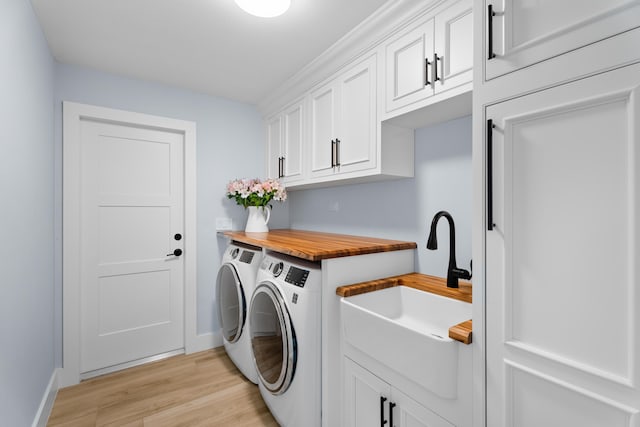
<point x="258" y="219"/>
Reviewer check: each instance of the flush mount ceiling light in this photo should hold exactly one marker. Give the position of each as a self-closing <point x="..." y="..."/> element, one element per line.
<point x="264" y="8"/>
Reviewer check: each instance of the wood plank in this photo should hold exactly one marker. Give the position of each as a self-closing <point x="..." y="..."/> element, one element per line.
<point x="364" y="287"/>
<point x="423" y="282"/>
<point x="162" y="393"/>
<point x="462" y="332"/>
<point x="316" y="246"/>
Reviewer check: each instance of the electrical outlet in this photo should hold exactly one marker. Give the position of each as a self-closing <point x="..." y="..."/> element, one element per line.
<point x="334" y="207"/>
<point x="223" y="224"/>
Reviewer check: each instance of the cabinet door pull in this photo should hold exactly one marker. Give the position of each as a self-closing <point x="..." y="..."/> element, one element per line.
<point x="282" y="162"/>
<point x="434" y="67"/>
<point x="490" y="15"/>
<point x="333" y="153"/>
<point x="426" y="72"/>
<point x="337" y="152"/>
<point x="391" y="406"/>
<point x="382" y="420"/>
<point x="490" y="127"/>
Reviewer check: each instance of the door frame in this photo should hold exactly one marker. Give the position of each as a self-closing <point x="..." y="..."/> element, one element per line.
<point x="72" y="114"/>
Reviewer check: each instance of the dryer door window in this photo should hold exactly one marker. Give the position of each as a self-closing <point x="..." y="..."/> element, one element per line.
<point x="232" y="305"/>
<point x="273" y="338"/>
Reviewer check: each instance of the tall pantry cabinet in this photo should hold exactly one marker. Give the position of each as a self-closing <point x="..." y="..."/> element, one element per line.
<point x="557" y="168"/>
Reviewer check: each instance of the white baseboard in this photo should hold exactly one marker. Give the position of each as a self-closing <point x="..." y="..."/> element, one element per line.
<point x="46" y="405"/>
<point x="205" y="342"/>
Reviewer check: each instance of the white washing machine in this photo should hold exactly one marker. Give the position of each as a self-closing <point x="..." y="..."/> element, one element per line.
<point x="234" y="287"/>
<point x="284" y="323"/>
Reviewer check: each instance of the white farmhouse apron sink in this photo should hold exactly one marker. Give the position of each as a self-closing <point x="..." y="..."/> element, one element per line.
<point x="408" y="331"/>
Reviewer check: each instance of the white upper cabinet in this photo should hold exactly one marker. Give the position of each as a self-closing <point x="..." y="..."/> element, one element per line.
<point x="285" y="137"/>
<point x="324" y="118"/>
<point x="521" y="33"/>
<point x="274" y="143"/>
<point x="430" y="58"/>
<point x="454" y="45"/>
<point x="408" y="62"/>
<point x="343" y="122"/>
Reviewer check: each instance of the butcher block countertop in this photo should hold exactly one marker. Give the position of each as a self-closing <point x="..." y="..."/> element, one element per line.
<point x="316" y="246"/>
<point x="436" y="285"/>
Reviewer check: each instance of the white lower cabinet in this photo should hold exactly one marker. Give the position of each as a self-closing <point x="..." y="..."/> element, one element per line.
<point x="562" y="259"/>
<point x="371" y="401"/>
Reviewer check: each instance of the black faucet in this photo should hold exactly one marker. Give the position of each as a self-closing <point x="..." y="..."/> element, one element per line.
<point x="453" y="272"/>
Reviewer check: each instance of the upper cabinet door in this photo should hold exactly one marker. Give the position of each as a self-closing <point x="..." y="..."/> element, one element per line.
<point x="520" y="33"/>
<point x="292" y="149"/>
<point x="454" y="45"/>
<point x="409" y="67"/>
<point x="357" y="136"/>
<point x="274" y="140"/>
<point x="324" y="112"/>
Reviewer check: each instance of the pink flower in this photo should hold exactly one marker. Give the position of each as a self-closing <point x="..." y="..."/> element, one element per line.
<point x="253" y="192"/>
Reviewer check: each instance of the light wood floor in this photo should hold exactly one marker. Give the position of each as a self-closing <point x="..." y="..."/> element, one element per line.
<point x="201" y="389"/>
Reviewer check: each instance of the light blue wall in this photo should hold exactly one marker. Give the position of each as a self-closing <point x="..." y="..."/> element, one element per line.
<point x="403" y="209"/>
<point x="229" y="144"/>
<point x="26" y="188"/>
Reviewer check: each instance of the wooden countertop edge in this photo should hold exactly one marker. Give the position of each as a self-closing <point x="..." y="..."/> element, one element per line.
<point x="288" y="242"/>
<point x="461" y="332"/>
<point x="423" y="282"/>
<point x="364" y="287"/>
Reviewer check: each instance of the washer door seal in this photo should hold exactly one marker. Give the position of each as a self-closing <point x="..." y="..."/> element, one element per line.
<point x="232" y="304"/>
<point x="273" y="338"/>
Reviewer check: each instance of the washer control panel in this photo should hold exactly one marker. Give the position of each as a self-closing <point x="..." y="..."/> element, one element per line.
<point x="293" y="275"/>
<point x="297" y="276"/>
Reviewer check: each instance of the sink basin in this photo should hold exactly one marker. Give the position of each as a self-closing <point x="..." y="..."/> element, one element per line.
<point x="407" y="330"/>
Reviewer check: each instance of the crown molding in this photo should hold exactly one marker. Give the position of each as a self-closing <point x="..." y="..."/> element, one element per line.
<point x="388" y="20"/>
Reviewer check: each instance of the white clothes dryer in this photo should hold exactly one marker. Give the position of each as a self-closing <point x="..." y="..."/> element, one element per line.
<point x="284" y="323"/>
<point x="234" y="287"/>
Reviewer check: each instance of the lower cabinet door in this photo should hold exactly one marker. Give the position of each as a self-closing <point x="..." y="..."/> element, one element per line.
<point x="371" y="402"/>
<point x="409" y="413"/>
<point x="366" y="397"/>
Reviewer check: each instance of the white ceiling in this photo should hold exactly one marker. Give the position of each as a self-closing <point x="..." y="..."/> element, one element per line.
<point x="209" y="46"/>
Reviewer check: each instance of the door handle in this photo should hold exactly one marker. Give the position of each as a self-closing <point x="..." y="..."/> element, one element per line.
<point x="434" y="68"/>
<point x="333" y="153"/>
<point x="382" y="420"/>
<point x="176" y="252"/>
<point x="490" y="15"/>
<point x="426" y="72"/>
<point x="391" y="406"/>
<point x="337" y="152"/>
<point x="490" y="127"/>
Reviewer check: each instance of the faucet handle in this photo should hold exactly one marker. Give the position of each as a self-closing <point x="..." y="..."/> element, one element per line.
<point x="461" y="273"/>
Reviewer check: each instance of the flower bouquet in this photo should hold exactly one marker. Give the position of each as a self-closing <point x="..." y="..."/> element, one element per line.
<point x="255" y="195"/>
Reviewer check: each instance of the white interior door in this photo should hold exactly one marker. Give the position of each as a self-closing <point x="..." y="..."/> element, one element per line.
<point x="562" y="278"/>
<point x="132" y="288"/>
